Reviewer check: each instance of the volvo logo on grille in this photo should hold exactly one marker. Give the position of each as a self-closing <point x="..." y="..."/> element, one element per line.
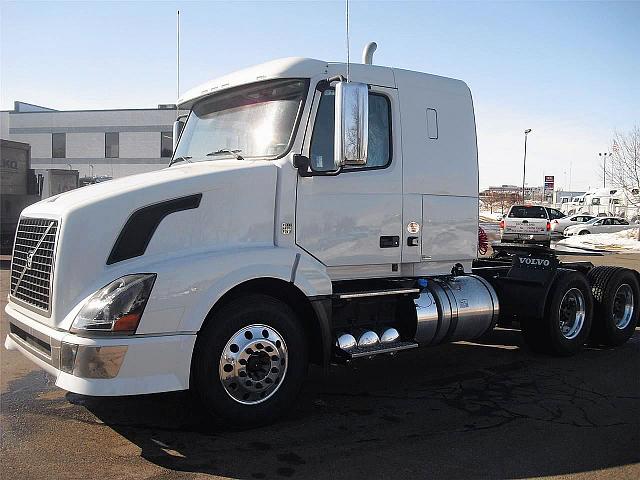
<point x="30" y="255"/>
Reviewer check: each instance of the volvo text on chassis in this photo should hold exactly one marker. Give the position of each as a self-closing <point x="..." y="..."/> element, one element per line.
<point x="304" y="219"/>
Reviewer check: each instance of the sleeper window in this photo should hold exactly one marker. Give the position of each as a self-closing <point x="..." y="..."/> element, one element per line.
<point x="379" y="133"/>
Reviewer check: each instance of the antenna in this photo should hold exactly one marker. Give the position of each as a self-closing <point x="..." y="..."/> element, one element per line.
<point x="178" y="56"/>
<point x="348" y="62"/>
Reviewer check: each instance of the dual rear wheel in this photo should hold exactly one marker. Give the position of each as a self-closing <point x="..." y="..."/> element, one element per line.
<point x="601" y="308"/>
<point x="616" y="293"/>
<point x="567" y="319"/>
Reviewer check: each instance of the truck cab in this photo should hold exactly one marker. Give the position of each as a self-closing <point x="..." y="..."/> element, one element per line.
<point x="356" y="216"/>
<point x="306" y="217"/>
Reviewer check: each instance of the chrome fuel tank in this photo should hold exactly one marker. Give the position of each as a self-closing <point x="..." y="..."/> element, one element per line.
<point x="455" y="308"/>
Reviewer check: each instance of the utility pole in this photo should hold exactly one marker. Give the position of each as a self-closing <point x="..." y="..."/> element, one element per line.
<point x="524" y="167"/>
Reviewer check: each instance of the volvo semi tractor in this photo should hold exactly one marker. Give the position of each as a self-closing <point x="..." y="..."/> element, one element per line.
<point x="312" y="213"/>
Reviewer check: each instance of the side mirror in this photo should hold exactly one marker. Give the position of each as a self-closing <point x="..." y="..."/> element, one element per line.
<point x="178" y="125"/>
<point x="352" y="124"/>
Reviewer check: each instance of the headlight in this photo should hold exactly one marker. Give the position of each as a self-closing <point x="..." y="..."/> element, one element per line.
<point x="116" y="307"/>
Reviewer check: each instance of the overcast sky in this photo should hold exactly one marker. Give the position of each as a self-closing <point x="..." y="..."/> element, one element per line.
<point x="570" y="71"/>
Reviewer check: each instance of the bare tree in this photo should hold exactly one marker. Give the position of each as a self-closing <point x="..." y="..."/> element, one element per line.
<point x="625" y="166"/>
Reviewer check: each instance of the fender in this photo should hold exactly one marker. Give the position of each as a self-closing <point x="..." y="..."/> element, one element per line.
<point x="188" y="286"/>
<point x="280" y="263"/>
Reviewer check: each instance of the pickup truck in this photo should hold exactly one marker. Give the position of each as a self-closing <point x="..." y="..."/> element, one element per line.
<point x="529" y="224"/>
<point x="306" y="217"/>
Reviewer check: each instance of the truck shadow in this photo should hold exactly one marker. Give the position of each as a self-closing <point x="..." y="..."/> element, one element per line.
<point x="487" y="409"/>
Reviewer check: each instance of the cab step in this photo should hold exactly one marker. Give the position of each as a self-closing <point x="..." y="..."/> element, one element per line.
<point x="372" y="350"/>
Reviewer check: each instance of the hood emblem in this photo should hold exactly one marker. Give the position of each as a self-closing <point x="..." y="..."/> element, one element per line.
<point x="30" y="254"/>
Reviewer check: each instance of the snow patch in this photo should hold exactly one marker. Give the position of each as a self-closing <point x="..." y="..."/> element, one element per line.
<point x="487" y="216"/>
<point x="624" y="241"/>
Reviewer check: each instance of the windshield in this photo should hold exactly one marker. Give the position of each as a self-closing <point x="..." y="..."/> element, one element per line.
<point x="254" y="121"/>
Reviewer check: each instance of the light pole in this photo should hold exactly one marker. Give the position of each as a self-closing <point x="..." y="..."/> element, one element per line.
<point x="524" y="167"/>
<point x="604" y="167"/>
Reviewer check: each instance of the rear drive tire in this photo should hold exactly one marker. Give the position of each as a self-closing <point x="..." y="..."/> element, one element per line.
<point x="616" y="294"/>
<point x="567" y="320"/>
<point x="250" y="361"/>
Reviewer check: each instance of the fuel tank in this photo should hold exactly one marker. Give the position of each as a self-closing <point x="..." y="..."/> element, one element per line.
<point x="455" y="308"/>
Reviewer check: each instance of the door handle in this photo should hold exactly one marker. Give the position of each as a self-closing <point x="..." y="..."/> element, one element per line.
<point x="389" y="241"/>
<point x="412" y="241"/>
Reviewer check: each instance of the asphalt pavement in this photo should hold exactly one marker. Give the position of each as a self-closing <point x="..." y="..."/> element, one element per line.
<point x="485" y="409"/>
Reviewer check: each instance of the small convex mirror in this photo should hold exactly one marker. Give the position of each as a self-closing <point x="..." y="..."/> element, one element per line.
<point x="352" y="124"/>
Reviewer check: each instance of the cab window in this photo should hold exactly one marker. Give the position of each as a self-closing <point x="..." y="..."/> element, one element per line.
<point x="527" y="212"/>
<point x="379" y="153"/>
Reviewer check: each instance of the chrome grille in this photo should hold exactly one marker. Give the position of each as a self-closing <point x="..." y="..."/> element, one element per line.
<point x="32" y="264"/>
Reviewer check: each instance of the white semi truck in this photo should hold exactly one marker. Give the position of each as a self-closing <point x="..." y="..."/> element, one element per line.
<point x="305" y="218"/>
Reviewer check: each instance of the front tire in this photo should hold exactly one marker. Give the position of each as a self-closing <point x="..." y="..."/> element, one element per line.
<point x="250" y="361"/>
<point x="584" y="232"/>
<point x="616" y="295"/>
<point x="567" y="320"/>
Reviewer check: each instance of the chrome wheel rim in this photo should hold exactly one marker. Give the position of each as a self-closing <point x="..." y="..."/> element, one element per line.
<point x="572" y="313"/>
<point x="253" y="364"/>
<point x="623" y="303"/>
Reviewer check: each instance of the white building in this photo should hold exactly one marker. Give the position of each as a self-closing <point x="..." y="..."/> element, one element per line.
<point x="112" y="143"/>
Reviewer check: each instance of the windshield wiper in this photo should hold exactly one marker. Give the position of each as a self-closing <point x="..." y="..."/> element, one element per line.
<point x="235" y="153"/>
<point x="180" y="159"/>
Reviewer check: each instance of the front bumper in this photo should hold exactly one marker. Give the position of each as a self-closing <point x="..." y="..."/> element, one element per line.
<point x="103" y="366"/>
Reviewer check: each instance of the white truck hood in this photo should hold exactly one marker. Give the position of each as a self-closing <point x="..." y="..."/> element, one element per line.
<point x="235" y="210"/>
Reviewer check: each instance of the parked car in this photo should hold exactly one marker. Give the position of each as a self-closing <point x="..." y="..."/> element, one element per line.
<point x="527" y="224"/>
<point x="598" y="225"/>
<point x="559" y="225"/>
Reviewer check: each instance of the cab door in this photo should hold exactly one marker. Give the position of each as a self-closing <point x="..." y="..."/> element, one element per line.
<point x="354" y="218"/>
